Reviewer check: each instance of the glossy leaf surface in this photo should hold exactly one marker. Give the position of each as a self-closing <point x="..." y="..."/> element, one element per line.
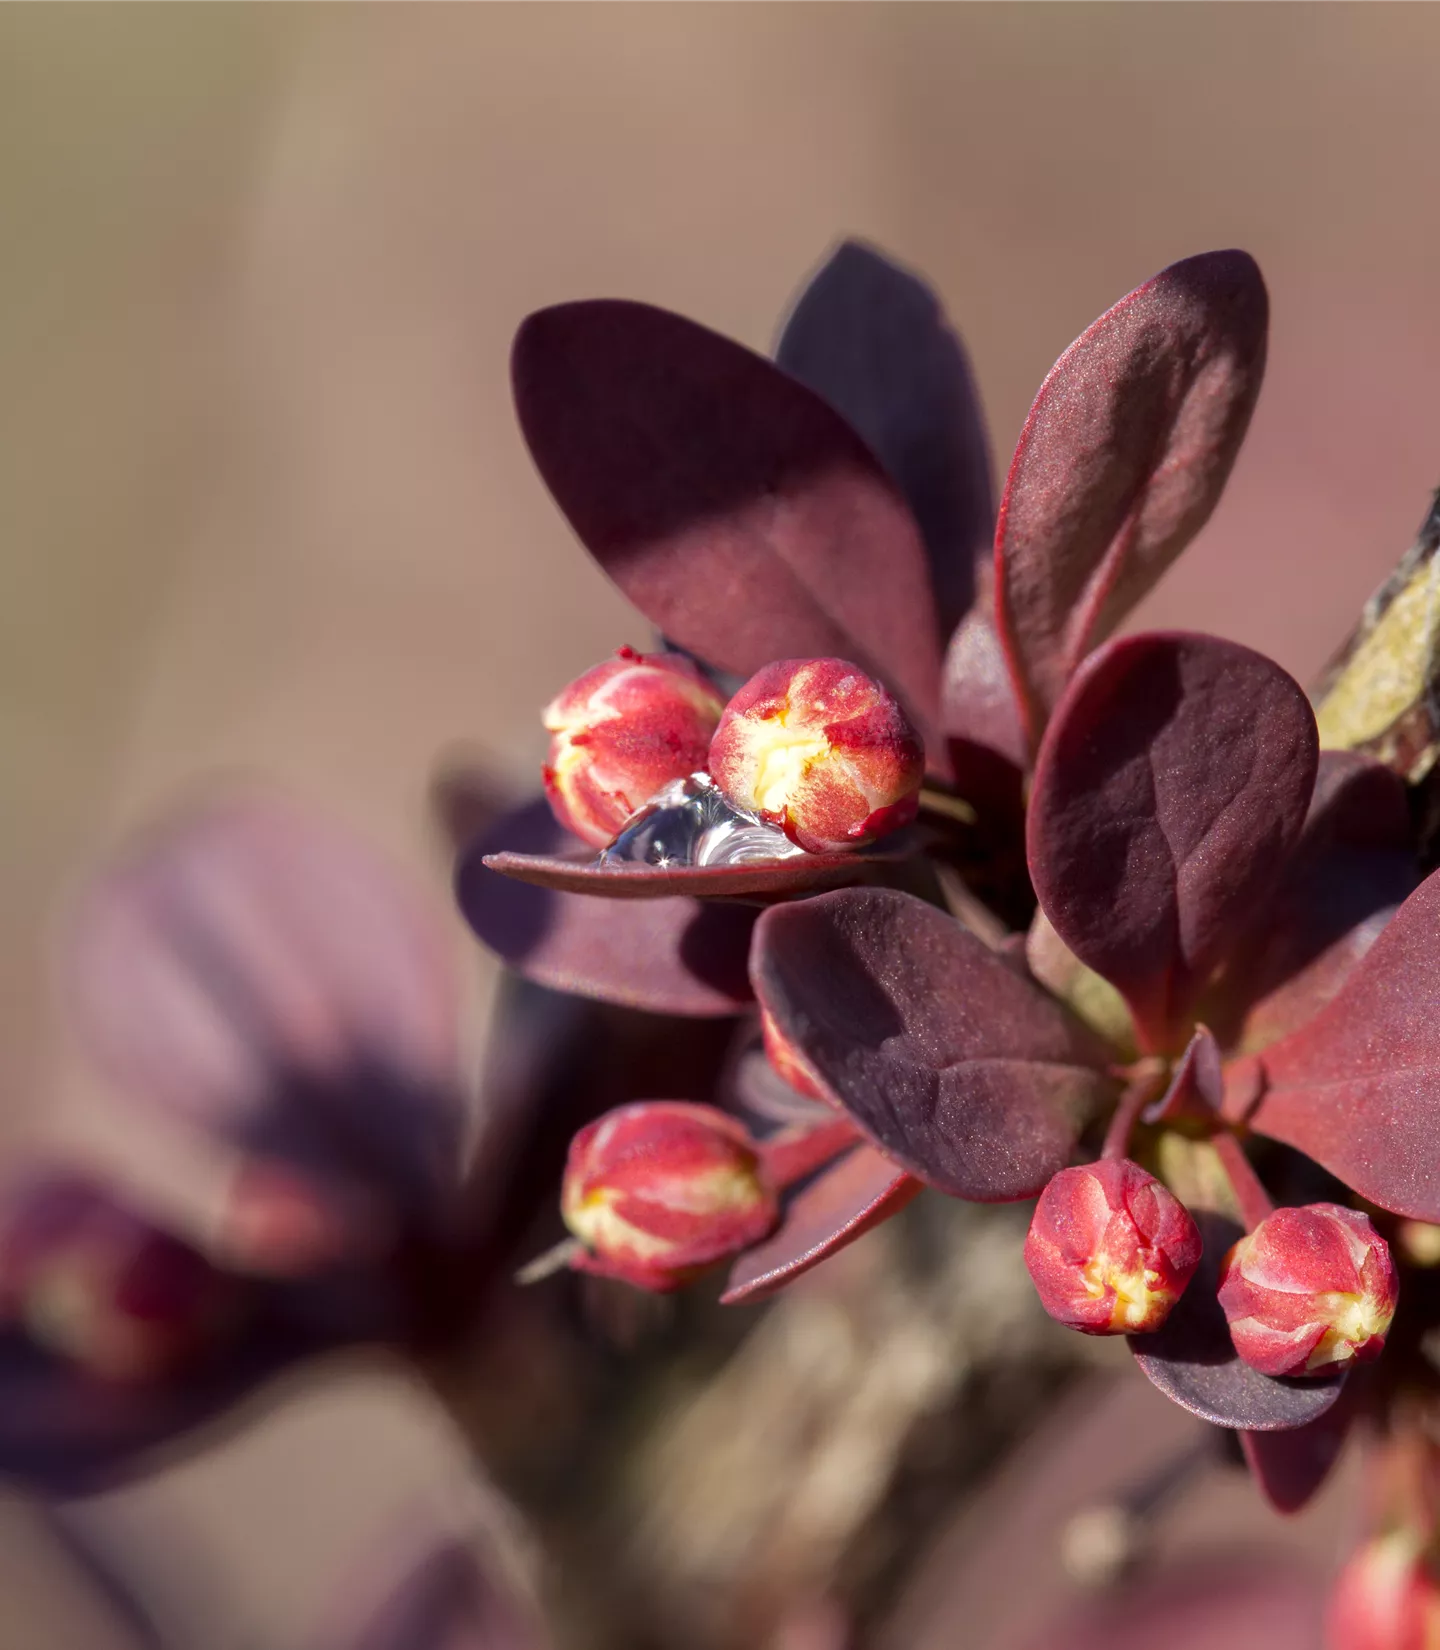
<point x="1122" y="459"/>
<point x="951" y="1062"/>
<point x="738" y="511"/>
<point x="675" y="956"/>
<point x="839" y="1205"/>
<point x="1169" y="793"/>
<point x="874" y="341"/>
<point x="1192" y="1359"/>
<point x="1358" y="1088"/>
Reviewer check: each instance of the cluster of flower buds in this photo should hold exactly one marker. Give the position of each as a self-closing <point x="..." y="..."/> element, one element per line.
<point x="1309" y="1290"/>
<point x="96" y="1284"/>
<point x="623" y="731"/>
<point x="1110" y="1249"/>
<point x="658" y="1191"/>
<point x="1387" y="1597"/>
<point x="814" y="746"/>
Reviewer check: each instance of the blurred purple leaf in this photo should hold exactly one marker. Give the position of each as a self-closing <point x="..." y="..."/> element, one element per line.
<point x="1289" y="1468"/>
<point x="737" y="511"/>
<point x="978" y="704"/>
<point x="1358" y="1087"/>
<point x="1353" y="867"/>
<point x="961" y="1070"/>
<point x="1123" y="457"/>
<point x="874" y="340"/>
<point x="1192" y="1359"/>
<point x="260" y="971"/>
<point x="753" y="1084"/>
<point x="1170" y="790"/>
<point x="839" y="1205"/>
<point x="676" y="956"/>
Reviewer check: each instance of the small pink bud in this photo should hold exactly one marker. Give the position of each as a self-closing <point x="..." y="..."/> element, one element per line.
<point x="97" y="1284"/>
<point x="623" y="731"/>
<point x="1308" y="1291"/>
<point x="1386" y="1598"/>
<point x="659" y="1190"/>
<point x="1110" y="1249"/>
<point x="818" y="748"/>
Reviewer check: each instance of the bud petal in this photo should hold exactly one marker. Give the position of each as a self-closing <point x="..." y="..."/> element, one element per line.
<point x="1386" y="1598"/>
<point x="659" y="1190"/>
<point x="97" y="1284"/>
<point x="623" y="731"/>
<point x="1309" y="1290"/>
<point x="1110" y="1248"/>
<point x="818" y="748"/>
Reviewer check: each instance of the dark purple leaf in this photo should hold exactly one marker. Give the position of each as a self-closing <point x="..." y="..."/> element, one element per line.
<point x="262" y="972"/>
<point x="839" y="1205"/>
<point x="978" y="702"/>
<point x="1170" y="790"/>
<point x="737" y="511"/>
<point x="1192" y="1359"/>
<point x="873" y="340"/>
<point x="675" y="956"/>
<point x="755" y="880"/>
<point x="952" y="1063"/>
<point x="1290" y="1467"/>
<point x="1354" y="865"/>
<point x="1121" y="461"/>
<point x="1358" y="1088"/>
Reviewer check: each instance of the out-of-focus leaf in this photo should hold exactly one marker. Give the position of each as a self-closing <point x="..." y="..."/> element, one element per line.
<point x="754" y="880"/>
<point x="953" y="1064"/>
<point x="978" y="702"/>
<point x="739" y="512"/>
<point x="1192" y="1359"/>
<point x="1289" y="1468"/>
<point x="1121" y="461"/>
<point x="260" y="971"/>
<point x="753" y="1084"/>
<point x="874" y="340"/>
<point x="1358" y="1087"/>
<point x="1170" y="790"/>
<point x="675" y="956"/>
<point x="839" y="1205"/>
<point x="1354" y="865"/>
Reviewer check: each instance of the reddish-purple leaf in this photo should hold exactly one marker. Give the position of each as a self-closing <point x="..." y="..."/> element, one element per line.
<point x="952" y="1063"/>
<point x="1354" y="865"/>
<point x="978" y="702"/>
<point x="264" y="973"/>
<point x="1171" y="789"/>
<point x="753" y="1084"/>
<point x="1197" y="1084"/>
<point x="1193" y="1361"/>
<point x="1121" y="461"/>
<point x="675" y="956"/>
<point x="1289" y="1468"/>
<point x="752" y="879"/>
<point x="839" y="1205"/>
<point x="1358" y="1088"/>
<point x="873" y="340"/>
<point x="737" y="511"/>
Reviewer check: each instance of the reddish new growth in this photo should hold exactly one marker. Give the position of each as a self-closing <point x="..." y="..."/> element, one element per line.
<point x="1110" y="1249"/>
<point x="1309" y="1290"/>
<point x="820" y="749"/>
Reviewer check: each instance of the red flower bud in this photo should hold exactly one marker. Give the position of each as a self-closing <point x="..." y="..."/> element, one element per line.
<point x="1110" y="1249"/>
<point x="659" y="1190"/>
<point x="1308" y="1291"/>
<point x="96" y="1284"/>
<point x="821" y="750"/>
<point x="1386" y="1598"/>
<point x="622" y="732"/>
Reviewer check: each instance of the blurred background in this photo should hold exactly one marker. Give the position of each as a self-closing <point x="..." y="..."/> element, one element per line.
<point x="263" y="505"/>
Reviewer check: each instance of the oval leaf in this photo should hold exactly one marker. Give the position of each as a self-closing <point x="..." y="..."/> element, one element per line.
<point x="1358" y="1088"/>
<point x="1192" y="1359"/>
<point x="1289" y="1468"/>
<point x="1170" y="790"/>
<point x="951" y="1062"/>
<point x="839" y="1205"/>
<point x="737" y="511"/>
<point x="873" y="340"/>
<point x="675" y="956"/>
<point x="1121" y="461"/>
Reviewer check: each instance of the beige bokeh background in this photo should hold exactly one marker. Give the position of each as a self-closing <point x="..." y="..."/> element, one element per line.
<point x="262" y="503"/>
